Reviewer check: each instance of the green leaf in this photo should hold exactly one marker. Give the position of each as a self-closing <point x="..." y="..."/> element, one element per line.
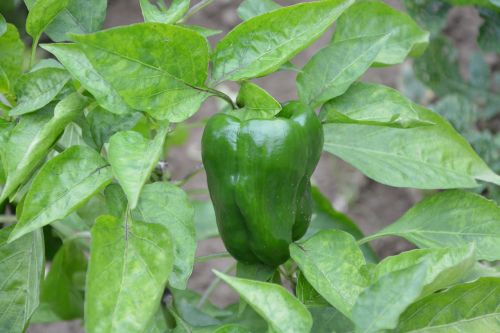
<point x="262" y="44"/>
<point x="11" y="58"/>
<point x="453" y="219"/>
<point x="61" y="296"/>
<point x="36" y="89"/>
<point x="307" y="294"/>
<point x="380" y="305"/>
<point x="250" y="8"/>
<point x="162" y="81"/>
<point x="398" y="143"/>
<point x="21" y="273"/>
<point x="32" y="138"/>
<point x="331" y="262"/>
<point x="79" y="16"/>
<point x="447" y="266"/>
<point x="331" y="71"/>
<point x="471" y="307"/>
<point x="130" y="262"/>
<point x="3" y="25"/>
<point x="257" y="102"/>
<point x="373" y="18"/>
<point x="204" y="220"/>
<point x="330" y="320"/>
<point x="133" y="158"/>
<point x="159" y="13"/>
<point x="79" y="66"/>
<point x="116" y="201"/>
<point x="458" y="110"/>
<point x="326" y="217"/>
<point x="205" y="32"/>
<point x="41" y="14"/>
<point x="61" y="186"/>
<point x="282" y="311"/>
<point x="166" y="204"/>
<point x="256" y="272"/>
<point x="489" y="32"/>
<point x="430" y="14"/>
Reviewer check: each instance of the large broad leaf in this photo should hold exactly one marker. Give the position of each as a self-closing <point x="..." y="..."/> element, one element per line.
<point x="11" y="58"/>
<point x="380" y="305"/>
<point x="79" y="66"/>
<point x="471" y="307"/>
<point x="250" y="8"/>
<point x="446" y="265"/>
<point x="130" y="263"/>
<point x="257" y="102"/>
<point x="331" y="261"/>
<point x="398" y="143"/>
<point x="33" y="136"/>
<point x="36" y="89"/>
<point x="79" y="16"/>
<point x="21" y="273"/>
<point x="158" y="12"/>
<point x="41" y="14"/>
<point x="61" y="297"/>
<point x="163" y="81"/>
<point x="166" y="204"/>
<point x="262" y="44"/>
<point x="451" y="218"/>
<point x="132" y="158"/>
<point x="372" y="18"/>
<point x="282" y="311"/>
<point x="332" y="70"/>
<point x="61" y="186"/>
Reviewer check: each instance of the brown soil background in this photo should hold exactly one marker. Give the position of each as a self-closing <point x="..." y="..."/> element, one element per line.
<point x="370" y="204"/>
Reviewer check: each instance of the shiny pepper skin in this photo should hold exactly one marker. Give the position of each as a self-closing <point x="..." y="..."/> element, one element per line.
<point x="258" y="174"/>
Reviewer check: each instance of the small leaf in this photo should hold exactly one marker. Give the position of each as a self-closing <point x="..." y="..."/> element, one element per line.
<point x="61" y="186"/>
<point x="380" y="305"/>
<point x="159" y="13"/>
<point x="79" y="66"/>
<point x="21" y="273"/>
<point x="255" y="48"/>
<point x="331" y="261"/>
<point x="36" y="89"/>
<point x="42" y="14"/>
<point x="471" y="307"/>
<point x="376" y="18"/>
<point x="307" y="294"/>
<point x="133" y="158"/>
<point x="454" y="219"/>
<point x="136" y="260"/>
<point x="32" y="138"/>
<point x="166" y="204"/>
<point x="250" y="8"/>
<point x="333" y="69"/>
<point x="282" y="311"/>
<point x="257" y="102"/>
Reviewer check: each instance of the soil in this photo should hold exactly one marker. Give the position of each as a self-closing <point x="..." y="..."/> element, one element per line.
<point x="370" y="204"/>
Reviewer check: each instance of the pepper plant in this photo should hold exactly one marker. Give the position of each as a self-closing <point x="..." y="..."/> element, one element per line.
<point x="84" y="134"/>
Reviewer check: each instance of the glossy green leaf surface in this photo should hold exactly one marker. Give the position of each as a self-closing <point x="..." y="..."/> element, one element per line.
<point x="11" y="58"/>
<point x="330" y="260"/>
<point x="331" y="71"/>
<point x="398" y="143"/>
<point x="158" y="12"/>
<point x="41" y="14"/>
<point x="130" y="262"/>
<point x="166" y="204"/>
<point x="250" y="8"/>
<point x="372" y="18"/>
<point x="254" y="49"/>
<point x="446" y="265"/>
<point x="380" y="305"/>
<point x="21" y="273"/>
<point x="36" y="89"/>
<point x="282" y="311"/>
<point x="79" y="66"/>
<point x="454" y="219"/>
<point x="307" y="294"/>
<point x="32" y="138"/>
<point x="162" y="81"/>
<point x="257" y="102"/>
<point x="61" y="186"/>
<point x="471" y="308"/>
<point x="133" y="158"/>
<point x="79" y="16"/>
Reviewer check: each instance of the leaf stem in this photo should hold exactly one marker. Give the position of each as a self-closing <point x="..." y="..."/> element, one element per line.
<point x="223" y="96"/>
<point x="370" y="238"/>
<point x="212" y="256"/>
<point x="8" y="219"/>
<point x="196" y="8"/>
<point x="33" y="51"/>
<point x="213" y="285"/>
<point x="189" y="176"/>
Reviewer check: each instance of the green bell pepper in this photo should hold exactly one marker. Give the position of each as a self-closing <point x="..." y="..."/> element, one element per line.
<point x="258" y="174"/>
